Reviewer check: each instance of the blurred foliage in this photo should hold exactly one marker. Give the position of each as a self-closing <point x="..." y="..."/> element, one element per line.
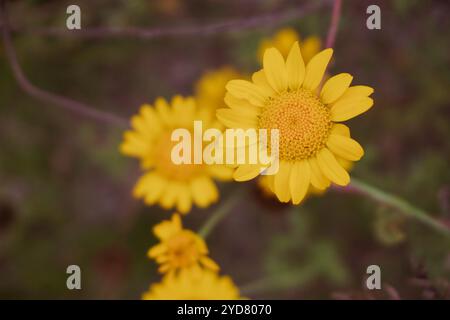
<point x="65" y="191"/>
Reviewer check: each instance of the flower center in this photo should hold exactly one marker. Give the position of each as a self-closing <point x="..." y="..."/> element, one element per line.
<point x="302" y="120"/>
<point x="183" y="249"/>
<point x="164" y="164"/>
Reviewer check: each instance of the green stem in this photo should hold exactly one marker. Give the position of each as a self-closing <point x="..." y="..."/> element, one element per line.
<point x="398" y="203"/>
<point x="220" y="213"/>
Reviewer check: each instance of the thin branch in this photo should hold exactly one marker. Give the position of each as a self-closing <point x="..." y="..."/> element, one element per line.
<point x="183" y="31"/>
<point x="45" y="96"/>
<point x="402" y="206"/>
<point x="221" y="212"/>
<point x="335" y="17"/>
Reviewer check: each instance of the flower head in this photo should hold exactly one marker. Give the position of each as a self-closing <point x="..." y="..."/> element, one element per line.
<point x="179" y="248"/>
<point x="193" y="284"/>
<point x="283" y="41"/>
<point x="169" y="184"/>
<point x="285" y="95"/>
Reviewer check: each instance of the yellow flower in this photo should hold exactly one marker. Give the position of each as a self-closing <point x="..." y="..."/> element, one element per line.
<point x="179" y="248"/>
<point x="285" y="95"/>
<point x="283" y="41"/>
<point x="165" y="182"/>
<point x="193" y="284"/>
<point x="210" y="88"/>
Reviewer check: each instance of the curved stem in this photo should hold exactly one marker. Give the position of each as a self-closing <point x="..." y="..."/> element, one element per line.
<point x="45" y="96"/>
<point x="220" y="213"/>
<point x="358" y="186"/>
<point x="335" y="17"/>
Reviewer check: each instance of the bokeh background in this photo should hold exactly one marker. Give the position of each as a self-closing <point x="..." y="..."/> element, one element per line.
<point x="65" y="191"/>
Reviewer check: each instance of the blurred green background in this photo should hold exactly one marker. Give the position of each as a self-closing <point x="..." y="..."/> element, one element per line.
<point x="65" y="191"/>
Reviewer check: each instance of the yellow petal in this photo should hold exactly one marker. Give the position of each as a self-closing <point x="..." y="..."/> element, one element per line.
<point x="233" y="118"/>
<point x="345" y="109"/>
<point x="200" y="244"/>
<point x="204" y="191"/>
<point x="209" y="263"/>
<point x="318" y="179"/>
<point x="151" y="117"/>
<point x="164" y="268"/>
<point x="357" y="91"/>
<point x="220" y="172"/>
<point x="183" y="110"/>
<point x="345" y="147"/>
<point x="295" y="67"/>
<point x="299" y="180"/>
<point x="246" y="172"/>
<point x="238" y="104"/>
<point x="168" y="228"/>
<point x="335" y="87"/>
<point x="150" y="187"/>
<point x="162" y="259"/>
<point x="134" y="144"/>
<point x="176" y="221"/>
<point x="170" y="195"/>
<point x="164" y="111"/>
<point x="247" y="90"/>
<point x="340" y="129"/>
<point x="184" y="203"/>
<point x="156" y="250"/>
<point x="282" y="181"/>
<point x="275" y="69"/>
<point x="259" y="78"/>
<point x="346" y="164"/>
<point x="315" y="69"/>
<point x="331" y="168"/>
<point x="140" y="125"/>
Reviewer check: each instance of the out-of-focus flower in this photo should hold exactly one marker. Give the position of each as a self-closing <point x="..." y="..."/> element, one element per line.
<point x="283" y="41"/>
<point x="210" y="88"/>
<point x="179" y="248"/>
<point x="285" y="95"/>
<point x="193" y="284"/>
<point x="169" y="184"/>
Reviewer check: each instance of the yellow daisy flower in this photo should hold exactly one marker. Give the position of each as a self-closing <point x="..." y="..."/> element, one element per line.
<point x="193" y="284"/>
<point x="285" y="95"/>
<point x="283" y="41"/>
<point x="210" y="88"/>
<point x="169" y="184"/>
<point x="179" y="248"/>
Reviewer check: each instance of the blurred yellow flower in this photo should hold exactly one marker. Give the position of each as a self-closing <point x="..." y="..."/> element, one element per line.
<point x="210" y="88"/>
<point x="285" y="95"/>
<point x="283" y="41"/>
<point x="169" y="184"/>
<point x="193" y="284"/>
<point x="179" y="248"/>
